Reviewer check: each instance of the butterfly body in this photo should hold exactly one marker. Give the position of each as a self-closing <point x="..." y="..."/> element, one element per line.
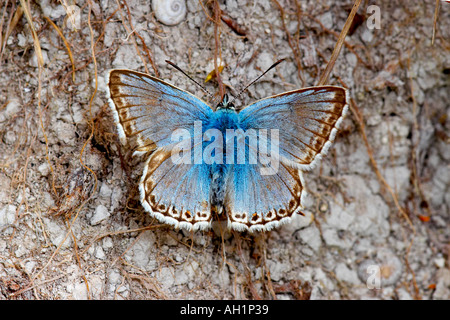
<point x="241" y="166"/>
<point x="223" y="119"/>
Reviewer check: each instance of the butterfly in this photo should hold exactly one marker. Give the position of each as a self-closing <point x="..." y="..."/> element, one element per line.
<point x="158" y="120"/>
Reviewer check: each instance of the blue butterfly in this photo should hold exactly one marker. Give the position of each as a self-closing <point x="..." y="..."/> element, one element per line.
<point x="192" y="192"/>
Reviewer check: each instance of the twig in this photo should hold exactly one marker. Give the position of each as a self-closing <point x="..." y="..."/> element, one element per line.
<point x="147" y="51"/>
<point x="337" y="48"/>
<point x="37" y="285"/>
<point x="37" y="45"/>
<point x="66" y="44"/>
<point x="436" y="14"/>
<point x="11" y="25"/>
<point x="294" y="47"/>
<point x="247" y="271"/>
<point x="217" y="48"/>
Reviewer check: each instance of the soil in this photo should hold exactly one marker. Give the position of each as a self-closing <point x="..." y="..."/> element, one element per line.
<point x="377" y="215"/>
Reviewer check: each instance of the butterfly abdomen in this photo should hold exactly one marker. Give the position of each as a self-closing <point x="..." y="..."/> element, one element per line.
<point x="218" y="174"/>
<point x="223" y="119"/>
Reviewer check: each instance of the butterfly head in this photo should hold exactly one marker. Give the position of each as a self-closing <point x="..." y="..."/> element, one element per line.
<point x="226" y="103"/>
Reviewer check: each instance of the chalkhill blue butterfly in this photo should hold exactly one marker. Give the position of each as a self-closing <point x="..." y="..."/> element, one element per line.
<point x="203" y="164"/>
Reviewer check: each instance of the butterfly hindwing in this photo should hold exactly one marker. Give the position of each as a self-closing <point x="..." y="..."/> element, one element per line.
<point x="176" y="194"/>
<point x="259" y="202"/>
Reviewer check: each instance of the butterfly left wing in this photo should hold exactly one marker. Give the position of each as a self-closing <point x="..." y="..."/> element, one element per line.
<point x="147" y="112"/>
<point x="176" y="193"/>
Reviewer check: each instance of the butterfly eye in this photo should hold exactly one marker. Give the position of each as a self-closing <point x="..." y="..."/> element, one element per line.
<point x="225" y="103"/>
<point x="225" y="99"/>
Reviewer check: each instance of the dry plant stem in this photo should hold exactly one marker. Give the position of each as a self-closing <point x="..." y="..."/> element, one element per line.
<point x="77" y="256"/>
<point x="436" y="14"/>
<point x="337" y="48"/>
<point x="247" y="271"/>
<point x="217" y="48"/>
<point x="37" y="46"/>
<point x="69" y="52"/>
<point x="130" y="34"/>
<point x="11" y="25"/>
<point x="33" y="286"/>
<point x="147" y="51"/>
<point x="269" y="284"/>
<point x="3" y="37"/>
<point x="294" y="47"/>
<point x="147" y="282"/>
<point x="414" y="145"/>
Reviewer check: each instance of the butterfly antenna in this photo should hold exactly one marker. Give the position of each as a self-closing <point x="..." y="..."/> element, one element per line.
<point x="179" y="69"/>
<point x="270" y="68"/>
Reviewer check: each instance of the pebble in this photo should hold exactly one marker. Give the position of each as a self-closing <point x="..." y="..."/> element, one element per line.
<point x="57" y="233"/>
<point x="80" y="291"/>
<point x="44" y="169"/>
<point x="142" y="251"/>
<point x="264" y="61"/>
<point x="332" y="239"/>
<point x="99" y="253"/>
<point x="390" y="268"/>
<point x="311" y="236"/>
<point x="277" y="269"/>
<point x="439" y="262"/>
<point x="345" y="274"/>
<point x="7" y="215"/>
<point x="101" y="214"/>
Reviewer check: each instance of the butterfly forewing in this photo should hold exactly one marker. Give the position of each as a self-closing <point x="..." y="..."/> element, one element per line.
<point x="307" y="121"/>
<point x="148" y="110"/>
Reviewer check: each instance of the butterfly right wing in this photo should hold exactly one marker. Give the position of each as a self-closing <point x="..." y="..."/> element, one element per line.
<point x="259" y="202"/>
<point x="307" y="120"/>
<point x="304" y="123"/>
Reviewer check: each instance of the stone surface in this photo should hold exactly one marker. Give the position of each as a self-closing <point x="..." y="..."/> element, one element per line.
<point x="100" y="214"/>
<point x="70" y="231"/>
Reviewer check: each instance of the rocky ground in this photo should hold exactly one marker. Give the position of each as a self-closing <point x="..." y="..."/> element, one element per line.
<point x="71" y="226"/>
